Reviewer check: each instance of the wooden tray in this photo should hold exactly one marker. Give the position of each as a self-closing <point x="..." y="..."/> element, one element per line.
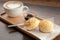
<point x="35" y="34"/>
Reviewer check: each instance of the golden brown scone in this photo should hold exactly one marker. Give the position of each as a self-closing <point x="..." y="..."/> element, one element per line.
<point x="32" y="23"/>
<point x="46" y="26"/>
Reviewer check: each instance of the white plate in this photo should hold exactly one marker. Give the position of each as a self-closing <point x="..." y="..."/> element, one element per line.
<point x="44" y="36"/>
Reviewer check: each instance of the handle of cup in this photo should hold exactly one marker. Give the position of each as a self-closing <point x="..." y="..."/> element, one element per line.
<point x="25" y="8"/>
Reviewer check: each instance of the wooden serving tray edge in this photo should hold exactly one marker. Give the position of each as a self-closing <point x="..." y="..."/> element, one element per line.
<point x="24" y="31"/>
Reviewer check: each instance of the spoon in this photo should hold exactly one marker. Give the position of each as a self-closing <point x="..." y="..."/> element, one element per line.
<point x="15" y="25"/>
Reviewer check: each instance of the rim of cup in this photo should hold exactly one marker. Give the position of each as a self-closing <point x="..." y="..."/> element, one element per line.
<point x="5" y="4"/>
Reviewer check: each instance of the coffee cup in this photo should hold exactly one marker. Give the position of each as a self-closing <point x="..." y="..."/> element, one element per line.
<point x="15" y="8"/>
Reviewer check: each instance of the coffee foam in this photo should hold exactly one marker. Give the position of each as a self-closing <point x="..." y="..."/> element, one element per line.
<point x="12" y="4"/>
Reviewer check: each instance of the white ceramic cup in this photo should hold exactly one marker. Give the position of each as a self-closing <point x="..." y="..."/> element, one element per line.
<point x="14" y="8"/>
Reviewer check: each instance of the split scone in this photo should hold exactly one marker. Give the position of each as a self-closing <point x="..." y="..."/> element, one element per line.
<point x="46" y="26"/>
<point x="32" y="23"/>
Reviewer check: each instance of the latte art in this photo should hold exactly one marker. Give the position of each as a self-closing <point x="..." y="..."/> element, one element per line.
<point x="11" y="6"/>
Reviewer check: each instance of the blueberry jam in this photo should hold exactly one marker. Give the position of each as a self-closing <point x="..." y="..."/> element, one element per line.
<point x="28" y="16"/>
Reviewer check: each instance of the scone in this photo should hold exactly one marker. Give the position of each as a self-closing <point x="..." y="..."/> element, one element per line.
<point x="46" y="26"/>
<point x="32" y="23"/>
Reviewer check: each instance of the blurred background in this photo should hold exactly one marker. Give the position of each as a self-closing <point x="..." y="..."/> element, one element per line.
<point x="55" y="3"/>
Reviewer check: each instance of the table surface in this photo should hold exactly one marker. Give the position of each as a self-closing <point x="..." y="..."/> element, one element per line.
<point x="43" y="11"/>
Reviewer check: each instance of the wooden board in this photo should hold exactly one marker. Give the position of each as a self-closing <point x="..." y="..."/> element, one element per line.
<point x="20" y="19"/>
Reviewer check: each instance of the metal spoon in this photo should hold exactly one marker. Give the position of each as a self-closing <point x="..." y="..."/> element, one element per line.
<point x="15" y="25"/>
